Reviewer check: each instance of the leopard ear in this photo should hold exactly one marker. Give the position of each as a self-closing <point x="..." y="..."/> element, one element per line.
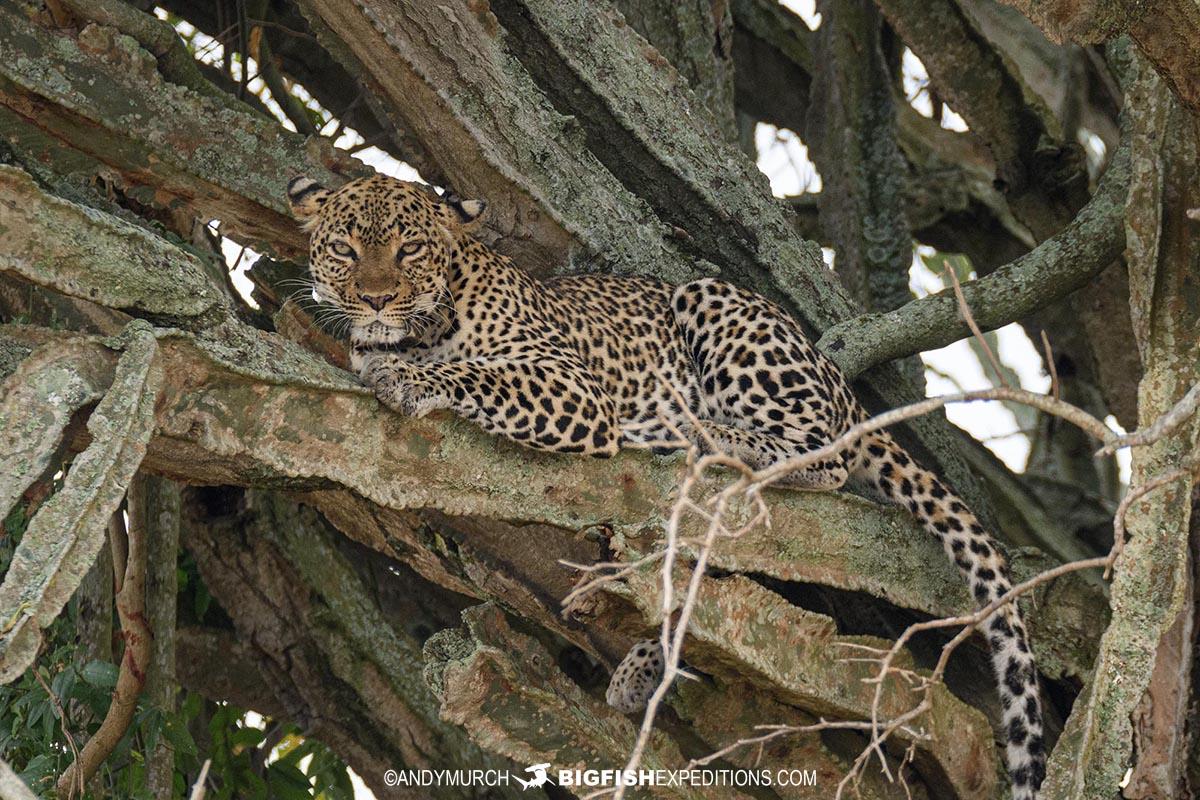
<point x="465" y="212"/>
<point x="306" y="197"/>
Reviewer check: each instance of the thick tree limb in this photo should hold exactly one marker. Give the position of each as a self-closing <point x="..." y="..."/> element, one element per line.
<point x="504" y="687"/>
<point x="741" y="631"/>
<point x="696" y="37"/>
<point x="78" y="251"/>
<point x="329" y="657"/>
<point x="162" y="508"/>
<point x="853" y="134"/>
<point x="105" y="98"/>
<point x="1166" y="32"/>
<point x="1074" y="83"/>
<point x="1057" y="267"/>
<point x="1151" y="584"/>
<point x="1044" y="179"/>
<point x="157" y="37"/>
<point x="62" y="539"/>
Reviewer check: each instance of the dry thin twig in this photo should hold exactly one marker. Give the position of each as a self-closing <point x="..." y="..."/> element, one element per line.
<point x="1050" y="365"/>
<point x="970" y="320"/>
<point x="749" y="483"/>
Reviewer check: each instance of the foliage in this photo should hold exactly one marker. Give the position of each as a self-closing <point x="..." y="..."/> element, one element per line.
<point x="34" y="742"/>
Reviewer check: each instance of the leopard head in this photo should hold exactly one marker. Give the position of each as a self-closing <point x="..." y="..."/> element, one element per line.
<point x="380" y="250"/>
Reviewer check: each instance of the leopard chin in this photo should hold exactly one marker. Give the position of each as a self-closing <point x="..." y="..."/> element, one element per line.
<point x="380" y="333"/>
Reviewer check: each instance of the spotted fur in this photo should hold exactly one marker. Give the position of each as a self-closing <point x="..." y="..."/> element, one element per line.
<point x="636" y="677"/>
<point x="438" y="320"/>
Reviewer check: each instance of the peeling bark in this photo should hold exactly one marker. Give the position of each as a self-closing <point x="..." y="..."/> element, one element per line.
<point x="64" y="536"/>
<point x="106" y="99"/>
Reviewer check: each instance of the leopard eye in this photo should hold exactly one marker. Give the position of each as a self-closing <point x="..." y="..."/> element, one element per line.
<point x="412" y="248"/>
<point x="342" y="249"/>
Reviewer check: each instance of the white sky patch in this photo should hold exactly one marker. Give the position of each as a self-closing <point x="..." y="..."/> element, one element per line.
<point x="916" y="90"/>
<point x="805" y="10"/>
<point x="783" y="158"/>
<point x="1124" y="455"/>
<point x="956" y="368"/>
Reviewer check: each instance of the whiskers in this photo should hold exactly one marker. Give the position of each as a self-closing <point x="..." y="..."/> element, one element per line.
<point x="427" y="313"/>
<point x="431" y="313"/>
<point x="326" y="312"/>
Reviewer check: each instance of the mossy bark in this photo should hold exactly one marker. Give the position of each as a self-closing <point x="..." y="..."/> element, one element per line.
<point x="1152" y="586"/>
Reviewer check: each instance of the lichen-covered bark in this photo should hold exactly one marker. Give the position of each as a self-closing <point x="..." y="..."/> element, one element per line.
<point x="1044" y="179"/>
<point x="695" y="37"/>
<point x="1166" y="32"/>
<point x="79" y="251"/>
<point x="64" y="536"/>
<point x="1151" y="588"/>
<point x="853" y="134"/>
<point x="104" y="97"/>
<point x="329" y="655"/>
<point x="505" y="689"/>
<point x="742" y="632"/>
<point x="1060" y="265"/>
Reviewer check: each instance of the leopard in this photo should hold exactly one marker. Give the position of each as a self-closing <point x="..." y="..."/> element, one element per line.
<point x="594" y="363"/>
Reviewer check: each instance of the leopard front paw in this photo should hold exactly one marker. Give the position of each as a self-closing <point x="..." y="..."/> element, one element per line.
<point x="395" y="384"/>
<point x="374" y="368"/>
<point x="401" y="395"/>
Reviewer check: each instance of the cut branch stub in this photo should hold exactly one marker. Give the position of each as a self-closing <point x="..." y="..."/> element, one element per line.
<point x="62" y="539"/>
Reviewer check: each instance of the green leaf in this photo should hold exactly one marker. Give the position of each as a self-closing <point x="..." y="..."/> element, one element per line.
<point x="64" y="684"/>
<point x="101" y="674"/>
<point x="246" y="737"/>
<point x="287" y="782"/>
<point x="175" y="731"/>
<point x="38" y="769"/>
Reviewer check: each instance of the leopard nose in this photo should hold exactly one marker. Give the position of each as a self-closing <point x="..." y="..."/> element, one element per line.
<point x="377" y="301"/>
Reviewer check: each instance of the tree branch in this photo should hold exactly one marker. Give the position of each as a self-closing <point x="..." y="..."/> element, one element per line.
<point x="1166" y="33"/>
<point x="186" y="146"/>
<point x="853" y="134"/>
<point x="1054" y="269"/>
<point x="135" y="630"/>
<point x="64" y="536"/>
<point x="1152" y="581"/>
<point x="1044" y="179"/>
